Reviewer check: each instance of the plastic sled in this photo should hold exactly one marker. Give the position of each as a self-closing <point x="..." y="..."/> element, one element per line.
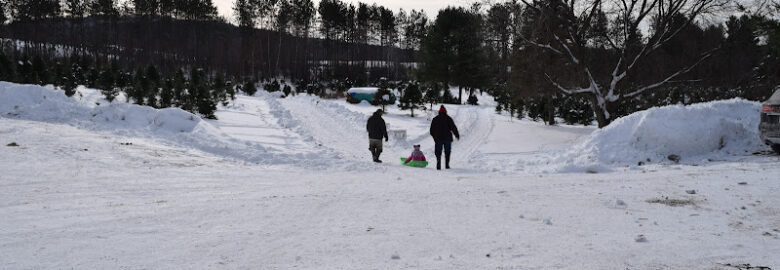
<point x="414" y="163"/>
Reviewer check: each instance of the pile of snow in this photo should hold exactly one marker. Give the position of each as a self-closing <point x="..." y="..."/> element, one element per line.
<point x="695" y="133"/>
<point x="32" y="102"/>
<point x="172" y="125"/>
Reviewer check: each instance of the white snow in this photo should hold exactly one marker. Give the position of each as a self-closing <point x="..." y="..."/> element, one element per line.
<point x="280" y="183"/>
<point x="362" y="90"/>
<point x="697" y="133"/>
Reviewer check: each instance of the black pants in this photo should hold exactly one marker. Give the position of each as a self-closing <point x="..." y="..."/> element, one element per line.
<point x="442" y="144"/>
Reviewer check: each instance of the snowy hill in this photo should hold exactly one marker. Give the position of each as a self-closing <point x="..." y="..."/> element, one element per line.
<point x="280" y="183"/>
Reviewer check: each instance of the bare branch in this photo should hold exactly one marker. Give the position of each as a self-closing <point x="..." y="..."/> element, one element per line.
<point x="671" y="77"/>
<point x="567" y="91"/>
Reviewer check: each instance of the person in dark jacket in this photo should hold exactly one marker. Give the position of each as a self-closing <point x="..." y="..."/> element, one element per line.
<point x="376" y="131"/>
<point x="442" y="129"/>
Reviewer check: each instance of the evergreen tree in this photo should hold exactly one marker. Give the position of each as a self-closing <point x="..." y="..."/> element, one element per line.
<point x="7" y="71"/>
<point x="219" y="89"/>
<point x="153" y="90"/>
<point x="23" y="10"/>
<point x="272" y="86"/>
<point x="92" y="77"/>
<point x="201" y="95"/>
<point x="245" y="13"/>
<point x="448" y="98"/>
<point x="103" y="8"/>
<point x="110" y="82"/>
<point x="249" y="87"/>
<point x="24" y="70"/>
<point x="412" y="97"/>
<point x="472" y="100"/>
<point x="287" y="90"/>
<point x="76" y="8"/>
<point x="166" y="93"/>
<point x="432" y="94"/>
<point x="231" y="90"/>
<point x="180" y="90"/>
<point x="68" y="82"/>
<point x="452" y="52"/>
<point x="3" y="12"/>
<point x="140" y="88"/>
<point x="576" y="110"/>
<point x="59" y="74"/>
<point x="40" y="72"/>
<point x="383" y="96"/>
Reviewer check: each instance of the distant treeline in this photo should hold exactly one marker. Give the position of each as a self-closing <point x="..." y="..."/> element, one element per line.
<point x="172" y="34"/>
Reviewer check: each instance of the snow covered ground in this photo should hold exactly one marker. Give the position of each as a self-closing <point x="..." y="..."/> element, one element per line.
<point x="288" y="183"/>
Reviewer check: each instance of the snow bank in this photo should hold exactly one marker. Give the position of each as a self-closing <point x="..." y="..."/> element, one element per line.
<point x="172" y="125"/>
<point x="714" y="130"/>
<point x="32" y="102"/>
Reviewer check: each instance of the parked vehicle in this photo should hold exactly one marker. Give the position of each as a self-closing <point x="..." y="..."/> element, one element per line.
<point x="770" y="121"/>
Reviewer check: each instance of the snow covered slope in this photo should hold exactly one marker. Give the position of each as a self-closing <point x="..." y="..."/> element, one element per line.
<point x="90" y="199"/>
<point x="288" y="183"/>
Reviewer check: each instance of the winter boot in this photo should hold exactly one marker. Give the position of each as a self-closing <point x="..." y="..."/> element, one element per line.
<point x="446" y="160"/>
<point x="376" y="157"/>
<point x="438" y="162"/>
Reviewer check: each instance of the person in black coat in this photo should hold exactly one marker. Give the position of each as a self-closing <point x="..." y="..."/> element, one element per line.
<point x="376" y="131"/>
<point x="442" y="129"/>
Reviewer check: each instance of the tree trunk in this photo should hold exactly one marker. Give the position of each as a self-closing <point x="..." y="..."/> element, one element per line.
<point x="603" y="116"/>
<point x="550" y="110"/>
<point x="460" y="94"/>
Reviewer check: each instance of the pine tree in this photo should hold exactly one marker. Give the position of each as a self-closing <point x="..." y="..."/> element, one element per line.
<point x="153" y="79"/>
<point x="180" y="90"/>
<point x="231" y="90"/>
<point x="68" y="82"/>
<point x="40" y="73"/>
<point x="24" y="70"/>
<point x="7" y="71"/>
<point x="92" y="77"/>
<point x="432" y="95"/>
<point x="447" y="97"/>
<point x="272" y="86"/>
<point x="287" y="90"/>
<point x="219" y="88"/>
<point x="472" y="100"/>
<point x="249" y="88"/>
<point x="3" y="12"/>
<point x="166" y="93"/>
<point x="412" y="97"/>
<point x="201" y="95"/>
<point x="109" y="83"/>
<point x="76" y="8"/>
<point x="140" y="87"/>
<point x="103" y="8"/>
<point x="383" y="96"/>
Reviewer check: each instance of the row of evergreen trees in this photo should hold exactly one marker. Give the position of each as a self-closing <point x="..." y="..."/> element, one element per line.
<point x="196" y="90"/>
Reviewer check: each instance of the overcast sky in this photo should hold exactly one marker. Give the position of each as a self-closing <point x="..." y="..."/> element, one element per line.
<point x="431" y="7"/>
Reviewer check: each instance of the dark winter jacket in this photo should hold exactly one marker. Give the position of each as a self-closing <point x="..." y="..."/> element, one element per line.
<point x="376" y="127"/>
<point x="442" y="128"/>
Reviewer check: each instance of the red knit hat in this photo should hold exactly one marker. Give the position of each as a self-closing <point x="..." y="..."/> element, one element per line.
<point x="442" y="109"/>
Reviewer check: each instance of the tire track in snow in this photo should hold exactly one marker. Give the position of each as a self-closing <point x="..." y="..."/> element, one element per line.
<point x="474" y="127"/>
<point x="329" y="126"/>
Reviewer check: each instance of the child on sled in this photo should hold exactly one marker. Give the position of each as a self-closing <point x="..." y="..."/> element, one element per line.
<point x="417" y="155"/>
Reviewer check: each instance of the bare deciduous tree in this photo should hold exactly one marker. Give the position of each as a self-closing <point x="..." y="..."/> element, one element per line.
<point x="638" y="28"/>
